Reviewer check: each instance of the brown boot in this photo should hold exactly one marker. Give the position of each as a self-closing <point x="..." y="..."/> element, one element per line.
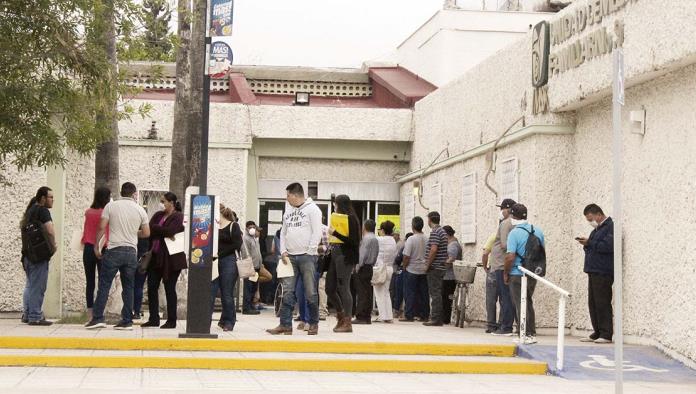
<point x="313" y="329"/>
<point x="280" y="330"/>
<point x="344" y="325"/>
<point x="339" y="318"/>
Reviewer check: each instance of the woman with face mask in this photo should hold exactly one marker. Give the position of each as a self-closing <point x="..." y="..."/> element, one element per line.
<point x="164" y="268"/>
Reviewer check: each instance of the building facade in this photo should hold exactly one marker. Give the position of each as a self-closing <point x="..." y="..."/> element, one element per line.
<point x="487" y="134"/>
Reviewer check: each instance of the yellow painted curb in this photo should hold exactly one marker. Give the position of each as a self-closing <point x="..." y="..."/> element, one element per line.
<point x="278" y="346"/>
<point x="436" y="367"/>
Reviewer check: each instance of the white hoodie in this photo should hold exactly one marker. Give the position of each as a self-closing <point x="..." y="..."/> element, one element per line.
<point x="302" y="229"/>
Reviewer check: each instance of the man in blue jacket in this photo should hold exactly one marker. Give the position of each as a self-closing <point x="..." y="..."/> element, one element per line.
<point x="599" y="266"/>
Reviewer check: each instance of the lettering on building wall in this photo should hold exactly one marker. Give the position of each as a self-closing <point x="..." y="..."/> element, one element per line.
<point x="596" y="43"/>
<point x="540" y="101"/>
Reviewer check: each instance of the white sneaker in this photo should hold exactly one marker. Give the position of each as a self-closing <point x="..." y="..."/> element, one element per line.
<point x="528" y="340"/>
<point x="602" y="340"/>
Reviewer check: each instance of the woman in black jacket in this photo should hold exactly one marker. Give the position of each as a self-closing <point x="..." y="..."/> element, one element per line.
<point x="343" y="258"/>
<point x="229" y="243"/>
<point x="166" y="268"/>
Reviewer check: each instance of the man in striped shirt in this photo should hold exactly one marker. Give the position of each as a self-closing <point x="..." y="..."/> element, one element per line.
<point x="437" y="258"/>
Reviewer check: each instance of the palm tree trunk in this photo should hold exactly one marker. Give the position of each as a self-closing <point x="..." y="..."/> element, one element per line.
<point x="179" y="177"/>
<point x="106" y="170"/>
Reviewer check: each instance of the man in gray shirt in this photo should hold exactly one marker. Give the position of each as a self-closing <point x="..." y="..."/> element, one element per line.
<point x="415" y="277"/>
<point x="127" y="221"/>
<point x="496" y="289"/>
<point x="251" y="246"/>
<point x="369" y="250"/>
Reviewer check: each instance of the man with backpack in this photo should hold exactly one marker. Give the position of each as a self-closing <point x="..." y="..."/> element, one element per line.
<point x="38" y="245"/>
<point x="525" y="248"/>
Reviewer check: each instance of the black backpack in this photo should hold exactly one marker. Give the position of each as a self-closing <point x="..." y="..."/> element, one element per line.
<point x="36" y="245"/>
<point x="534" y="258"/>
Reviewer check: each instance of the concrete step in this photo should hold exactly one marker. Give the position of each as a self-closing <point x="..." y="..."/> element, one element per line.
<point x="269" y="355"/>
<point x="276" y="345"/>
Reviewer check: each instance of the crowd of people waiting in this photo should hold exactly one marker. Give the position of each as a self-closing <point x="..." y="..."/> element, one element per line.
<point x="410" y="279"/>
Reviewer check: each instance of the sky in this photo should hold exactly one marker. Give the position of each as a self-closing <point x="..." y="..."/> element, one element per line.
<point x="323" y="33"/>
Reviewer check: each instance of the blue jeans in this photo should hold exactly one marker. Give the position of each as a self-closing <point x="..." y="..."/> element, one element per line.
<point x="300" y="293"/>
<point x="397" y="288"/>
<point x="225" y="282"/>
<point x="507" y="308"/>
<point x="303" y="265"/>
<point x="249" y="293"/>
<point x="416" y="296"/>
<point x="37" y="278"/>
<point x="121" y="259"/>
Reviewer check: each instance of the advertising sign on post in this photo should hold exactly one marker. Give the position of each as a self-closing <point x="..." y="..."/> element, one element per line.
<point x="221" y="17"/>
<point x="202" y="225"/>
<point x="220" y="60"/>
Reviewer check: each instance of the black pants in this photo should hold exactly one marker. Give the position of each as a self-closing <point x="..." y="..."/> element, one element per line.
<point x="338" y="283"/>
<point x="154" y="278"/>
<point x="599" y="300"/>
<point x="92" y="265"/>
<point x="364" y="293"/>
<point x="448" y="287"/>
<point x="249" y="293"/>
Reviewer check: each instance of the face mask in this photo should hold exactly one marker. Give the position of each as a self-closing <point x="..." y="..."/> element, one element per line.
<point x="252" y="231"/>
<point x="500" y="216"/>
<point x="161" y="207"/>
<point x="515" y="222"/>
<point x="594" y="224"/>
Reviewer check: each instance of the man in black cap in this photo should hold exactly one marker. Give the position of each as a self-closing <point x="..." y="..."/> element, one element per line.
<point x="496" y="289"/>
<point x="516" y="248"/>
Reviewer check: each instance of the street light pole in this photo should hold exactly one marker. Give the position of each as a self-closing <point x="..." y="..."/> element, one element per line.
<point x="617" y="154"/>
<point x="198" y="314"/>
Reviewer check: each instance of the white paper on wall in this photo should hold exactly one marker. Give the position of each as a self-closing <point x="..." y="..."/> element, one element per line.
<point x="508" y="179"/>
<point x="468" y="230"/>
<point x="275" y="215"/>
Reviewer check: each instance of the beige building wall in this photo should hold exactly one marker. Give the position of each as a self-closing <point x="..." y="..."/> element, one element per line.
<point x="330" y="170"/>
<point x="560" y="174"/>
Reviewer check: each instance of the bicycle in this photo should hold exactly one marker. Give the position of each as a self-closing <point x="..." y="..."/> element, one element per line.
<point x="278" y="298"/>
<point x="464" y="274"/>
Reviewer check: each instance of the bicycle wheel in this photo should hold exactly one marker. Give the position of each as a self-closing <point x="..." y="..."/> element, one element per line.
<point x="466" y="305"/>
<point x="460" y="310"/>
<point x="278" y="298"/>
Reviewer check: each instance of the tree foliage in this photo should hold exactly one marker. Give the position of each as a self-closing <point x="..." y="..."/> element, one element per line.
<point x="147" y="36"/>
<point x="58" y="87"/>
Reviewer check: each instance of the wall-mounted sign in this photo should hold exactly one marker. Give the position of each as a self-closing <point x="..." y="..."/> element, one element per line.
<point x="221" y="17"/>
<point x="540" y="54"/>
<point x="220" y="59"/>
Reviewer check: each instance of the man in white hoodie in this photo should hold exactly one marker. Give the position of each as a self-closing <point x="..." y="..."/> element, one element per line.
<point x="299" y="242"/>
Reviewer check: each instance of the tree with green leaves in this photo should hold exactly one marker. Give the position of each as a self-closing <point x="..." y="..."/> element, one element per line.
<point x="148" y="37"/>
<point x="59" y="86"/>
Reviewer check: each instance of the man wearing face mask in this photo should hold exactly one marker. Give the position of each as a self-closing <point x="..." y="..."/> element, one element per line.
<point x="495" y="284"/>
<point x="516" y="248"/>
<point x="251" y="246"/>
<point x="599" y="267"/>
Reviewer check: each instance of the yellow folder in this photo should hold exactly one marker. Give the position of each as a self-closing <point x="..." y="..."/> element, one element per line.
<point x="339" y="223"/>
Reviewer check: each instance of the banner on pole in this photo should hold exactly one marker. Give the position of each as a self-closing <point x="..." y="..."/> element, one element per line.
<point x="220" y="60"/>
<point x="221" y="17"/>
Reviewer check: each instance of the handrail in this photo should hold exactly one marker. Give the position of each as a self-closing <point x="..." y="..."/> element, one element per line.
<point x="563" y="295"/>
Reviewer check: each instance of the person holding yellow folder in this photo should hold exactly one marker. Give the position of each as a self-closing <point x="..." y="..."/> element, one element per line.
<point x="345" y="242"/>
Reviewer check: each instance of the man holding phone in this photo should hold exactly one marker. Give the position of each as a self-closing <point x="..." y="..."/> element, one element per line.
<point x="599" y="266"/>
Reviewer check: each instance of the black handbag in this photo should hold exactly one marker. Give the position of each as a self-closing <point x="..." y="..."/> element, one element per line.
<point x="144" y="262"/>
<point x="323" y="262"/>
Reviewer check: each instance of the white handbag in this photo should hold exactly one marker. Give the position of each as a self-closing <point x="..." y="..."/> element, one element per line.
<point x="245" y="266"/>
<point x="379" y="274"/>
